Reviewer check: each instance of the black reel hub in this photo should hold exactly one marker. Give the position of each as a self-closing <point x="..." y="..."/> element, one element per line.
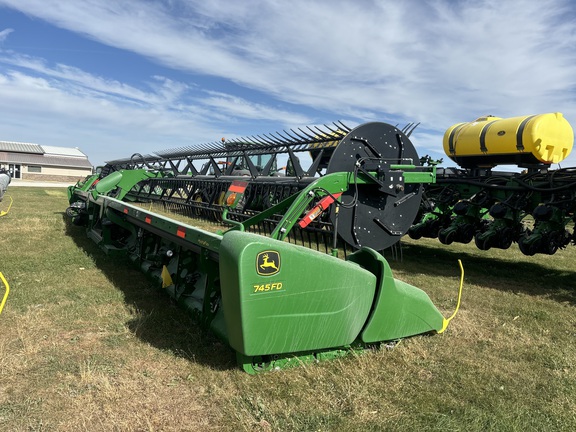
<point x="375" y="215"/>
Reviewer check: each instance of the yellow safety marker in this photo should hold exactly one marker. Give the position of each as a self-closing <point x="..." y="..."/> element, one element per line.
<point x="447" y="320"/>
<point x="166" y="278"/>
<point x="4" y="213"/>
<point x="5" y="282"/>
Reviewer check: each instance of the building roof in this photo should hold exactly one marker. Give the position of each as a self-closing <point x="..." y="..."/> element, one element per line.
<point x="63" y="151"/>
<point x="45" y="160"/>
<point x="11" y="146"/>
<point x="34" y="154"/>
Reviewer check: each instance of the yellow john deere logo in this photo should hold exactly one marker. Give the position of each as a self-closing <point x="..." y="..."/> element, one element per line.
<point x="268" y="263"/>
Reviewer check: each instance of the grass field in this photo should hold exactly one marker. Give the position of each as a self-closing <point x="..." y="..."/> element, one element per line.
<point x="87" y="343"/>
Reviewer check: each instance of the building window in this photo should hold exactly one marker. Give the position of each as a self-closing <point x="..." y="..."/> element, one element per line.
<point x="34" y="168"/>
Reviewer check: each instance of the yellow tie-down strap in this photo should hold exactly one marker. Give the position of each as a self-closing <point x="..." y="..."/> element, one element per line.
<point x="5" y="212"/>
<point x="447" y="320"/>
<point x="7" y="290"/>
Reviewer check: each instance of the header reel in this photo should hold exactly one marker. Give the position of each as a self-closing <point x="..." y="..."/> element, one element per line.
<point x="379" y="208"/>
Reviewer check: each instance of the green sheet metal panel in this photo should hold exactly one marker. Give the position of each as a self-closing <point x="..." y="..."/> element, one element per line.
<point x="400" y="309"/>
<point x="280" y="298"/>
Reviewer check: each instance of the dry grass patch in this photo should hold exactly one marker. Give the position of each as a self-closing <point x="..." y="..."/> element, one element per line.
<point x="88" y="344"/>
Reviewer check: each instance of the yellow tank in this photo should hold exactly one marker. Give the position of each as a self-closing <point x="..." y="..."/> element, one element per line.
<point x="490" y="141"/>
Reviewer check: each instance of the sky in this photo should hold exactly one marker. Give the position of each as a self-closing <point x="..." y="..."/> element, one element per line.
<point x="115" y="78"/>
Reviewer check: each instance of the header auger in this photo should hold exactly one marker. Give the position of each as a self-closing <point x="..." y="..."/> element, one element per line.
<point x="274" y="302"/>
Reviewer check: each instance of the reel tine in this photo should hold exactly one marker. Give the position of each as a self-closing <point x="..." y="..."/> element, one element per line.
<point x="273" y="139"/>
<point x="260" y="140"/>
<point x="310" y="137"/>
<point x="316" y="137"/>
<point x="282" y="139"/>
<point x="323" y="133"/>
<point x="296" y="140"/>
<point x="411" y="129"/>
<point x="287" y="140"/>
<point x="304" y="139"/>
<point x="342" y="125"/>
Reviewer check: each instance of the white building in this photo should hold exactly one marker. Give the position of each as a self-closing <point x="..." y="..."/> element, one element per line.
<point x="31" y="162"/>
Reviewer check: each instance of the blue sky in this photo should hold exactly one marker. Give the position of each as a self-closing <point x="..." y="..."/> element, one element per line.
<point x="118" y="77"/>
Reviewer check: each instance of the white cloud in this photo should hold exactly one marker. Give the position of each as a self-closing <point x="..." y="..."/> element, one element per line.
<point x="438" y="62"/>
<point x="237" y="107"/>
<point x="113" y="118"/>
<point x="4" y="34"/>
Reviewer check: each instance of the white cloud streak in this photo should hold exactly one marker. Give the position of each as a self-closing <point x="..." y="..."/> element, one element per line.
<point x="438" y="62"/>
<point x="4" y="34"/>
